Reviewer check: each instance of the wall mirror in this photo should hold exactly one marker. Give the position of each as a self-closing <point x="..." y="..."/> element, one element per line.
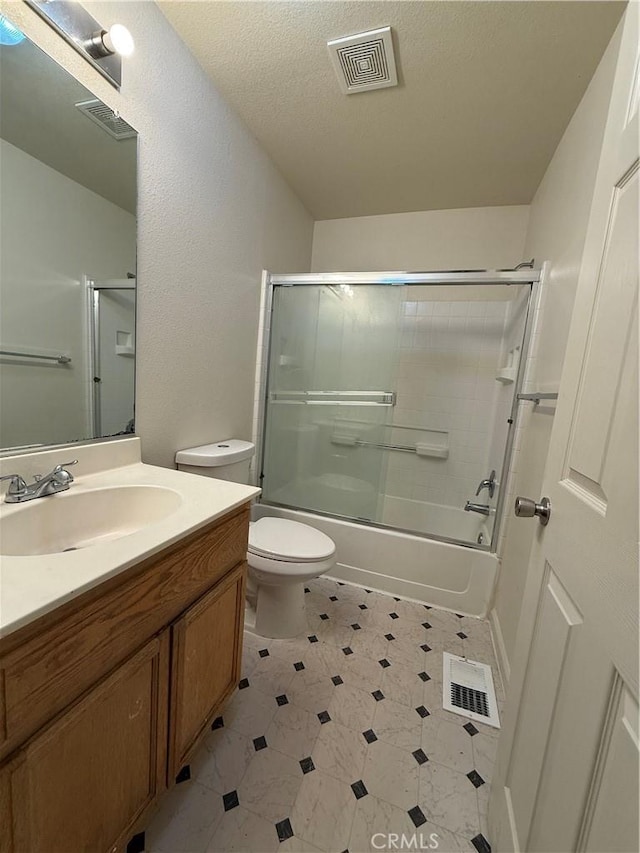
<point x="68" y="168"/>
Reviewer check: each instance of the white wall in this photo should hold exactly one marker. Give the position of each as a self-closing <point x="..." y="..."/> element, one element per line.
<point x="54" y="231"/>
<point x="213" y="211"/>
<point x="556" y="234"/>
<point x="468" y="238"/>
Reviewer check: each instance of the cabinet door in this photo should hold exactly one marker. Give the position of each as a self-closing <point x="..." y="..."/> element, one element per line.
<point x="205" y="662"/>
<point x="82" y="783"/>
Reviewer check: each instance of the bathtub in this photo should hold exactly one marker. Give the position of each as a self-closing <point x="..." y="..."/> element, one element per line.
<point x="453" y="577"/>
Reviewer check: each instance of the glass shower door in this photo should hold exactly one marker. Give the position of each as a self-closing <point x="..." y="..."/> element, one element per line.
<point x="393" y="403"/>
<point x="331" y="383"/>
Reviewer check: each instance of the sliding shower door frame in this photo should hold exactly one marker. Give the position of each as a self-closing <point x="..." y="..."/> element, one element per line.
<point x="531" y="277"/>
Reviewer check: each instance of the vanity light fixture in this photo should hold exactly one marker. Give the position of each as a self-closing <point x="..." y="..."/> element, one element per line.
<point x="103" y="48"/>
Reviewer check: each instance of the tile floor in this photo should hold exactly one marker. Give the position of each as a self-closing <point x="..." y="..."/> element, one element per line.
<point x="339" y="735"/>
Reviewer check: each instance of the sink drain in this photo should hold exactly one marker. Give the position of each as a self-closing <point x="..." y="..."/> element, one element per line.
<point x="73" y="548"/>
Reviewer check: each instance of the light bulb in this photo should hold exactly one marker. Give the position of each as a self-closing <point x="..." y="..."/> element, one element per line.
<point x="9" y="33"/>
<point x="119" y="40"/>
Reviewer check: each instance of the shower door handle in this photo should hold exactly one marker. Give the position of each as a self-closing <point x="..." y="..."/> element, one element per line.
<point x="528" y="508"/>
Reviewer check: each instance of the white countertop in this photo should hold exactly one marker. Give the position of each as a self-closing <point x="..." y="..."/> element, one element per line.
<point x="31" y="586"/>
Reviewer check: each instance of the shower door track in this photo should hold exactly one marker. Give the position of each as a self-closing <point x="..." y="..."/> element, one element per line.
<point x="530" y="276"/>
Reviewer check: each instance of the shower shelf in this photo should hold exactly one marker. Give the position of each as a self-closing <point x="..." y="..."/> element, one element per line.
<point x="420" y="448"/>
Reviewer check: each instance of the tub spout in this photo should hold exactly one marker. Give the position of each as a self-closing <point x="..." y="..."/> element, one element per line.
<point x="483" y="509"/>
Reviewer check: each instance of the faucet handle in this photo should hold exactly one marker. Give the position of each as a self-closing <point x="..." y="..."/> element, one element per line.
<point x="17" y="485"/>
<point x="61" y="474"/>
<point x="64" y="465"/>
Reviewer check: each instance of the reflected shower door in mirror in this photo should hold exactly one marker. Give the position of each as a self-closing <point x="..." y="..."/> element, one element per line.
<point x="68" y="168"/>
<point x="391" y="404"/>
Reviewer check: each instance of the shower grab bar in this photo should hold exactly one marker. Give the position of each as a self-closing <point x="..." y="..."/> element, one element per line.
<point x="536" y="396"/>
<point x="59" y="359"/>
<point x="335" y="398"/>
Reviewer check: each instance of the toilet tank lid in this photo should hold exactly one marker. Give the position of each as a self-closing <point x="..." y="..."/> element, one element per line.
<point x="214" y="455"/>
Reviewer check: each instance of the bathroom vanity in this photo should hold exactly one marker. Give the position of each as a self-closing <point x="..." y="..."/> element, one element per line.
<point x="104" y="697"/>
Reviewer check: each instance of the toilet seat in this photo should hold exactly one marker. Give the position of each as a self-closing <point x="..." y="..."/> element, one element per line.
<point x="282" y="540"/>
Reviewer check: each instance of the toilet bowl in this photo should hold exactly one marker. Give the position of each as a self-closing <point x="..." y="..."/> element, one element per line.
<point x="282" y="555"/>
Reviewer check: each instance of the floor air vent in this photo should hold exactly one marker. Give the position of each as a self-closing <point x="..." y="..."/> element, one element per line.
<point x="107" y="119"/>
<point x="467" y="689"/>
<point x="364" y="61"/>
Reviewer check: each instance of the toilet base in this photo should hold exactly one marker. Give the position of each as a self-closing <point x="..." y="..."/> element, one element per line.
<point x="278" y="613"/>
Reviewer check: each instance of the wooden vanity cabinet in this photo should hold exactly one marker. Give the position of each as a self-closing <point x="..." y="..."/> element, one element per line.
<point x="92" y="773"/>
<point x="85" y="779"/>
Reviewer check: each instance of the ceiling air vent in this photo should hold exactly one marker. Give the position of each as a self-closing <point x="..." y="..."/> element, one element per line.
<point x="108" y="120"/>
<point x="364" y="61"/>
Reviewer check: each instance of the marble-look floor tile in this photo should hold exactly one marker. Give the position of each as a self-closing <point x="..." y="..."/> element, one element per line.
<point x="447" y="841"/>
<point x="483" y="808"/>
<point x="311" y="690"/>
<point x="374" y="821"/>
<point x="249" y="711"/>
<point x="298" y="845"/>
<point x="362" y="672"/>
<point x="270" y="785"/>
<point x="485" y="748"/>
<point x="293" y="730"/>
<point x="352" y="707"/>
<point x="391" y="774"/>
<point x="272" y="675"/>
<point x="324" y="657"/>
<point x="403" y="685"/>
<point x="335" y="633"/>
<point x="411" y="610"/>
<point x="323" y="812"/>
<point x="407" y="652"/>
<point x="222" y="762"/>
<point x="448" y="743"/>
<point x="289" y="650"/>
<point x="340" y="752"/>
<point x="369" y="642"/>
<point x="185" y="821"/>
<point x="399" y="725"/>
<point x="241" y="831"/>
<point x="448" y="799"/>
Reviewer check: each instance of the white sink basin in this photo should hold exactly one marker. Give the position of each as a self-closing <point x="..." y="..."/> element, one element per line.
<point x="79" y="519"/>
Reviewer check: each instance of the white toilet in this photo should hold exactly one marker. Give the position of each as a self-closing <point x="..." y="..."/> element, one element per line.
<point x="282" y="554"/>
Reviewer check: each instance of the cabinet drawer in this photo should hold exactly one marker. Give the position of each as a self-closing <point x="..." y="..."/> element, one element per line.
<point x="84" y="781"/>
<point x="88" y="637"/>
<point x="206" y="653"/>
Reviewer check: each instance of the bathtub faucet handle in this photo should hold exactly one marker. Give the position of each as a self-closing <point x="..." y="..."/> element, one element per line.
<point x="489" y="483"/>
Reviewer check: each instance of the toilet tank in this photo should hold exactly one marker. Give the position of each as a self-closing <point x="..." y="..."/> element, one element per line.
<point x="224" y="460"/>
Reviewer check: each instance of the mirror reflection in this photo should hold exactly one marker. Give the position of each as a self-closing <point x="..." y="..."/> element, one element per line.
<point x="67" y="260"/>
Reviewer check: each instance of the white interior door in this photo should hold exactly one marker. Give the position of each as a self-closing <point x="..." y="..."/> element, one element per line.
<point x="567" y="774"/>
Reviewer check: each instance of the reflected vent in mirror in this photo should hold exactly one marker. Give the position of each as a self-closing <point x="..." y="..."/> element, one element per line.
<point x="108" y="120"/>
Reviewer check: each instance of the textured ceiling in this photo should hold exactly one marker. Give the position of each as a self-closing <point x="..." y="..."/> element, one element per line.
<point x="38" y="99"/>
<point x="486" y="91"/>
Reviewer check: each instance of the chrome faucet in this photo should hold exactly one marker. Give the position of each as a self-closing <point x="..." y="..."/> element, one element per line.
<point x="55" y="481"/>
<point x="489" y="484"/>
<point x="483" y="509"/>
